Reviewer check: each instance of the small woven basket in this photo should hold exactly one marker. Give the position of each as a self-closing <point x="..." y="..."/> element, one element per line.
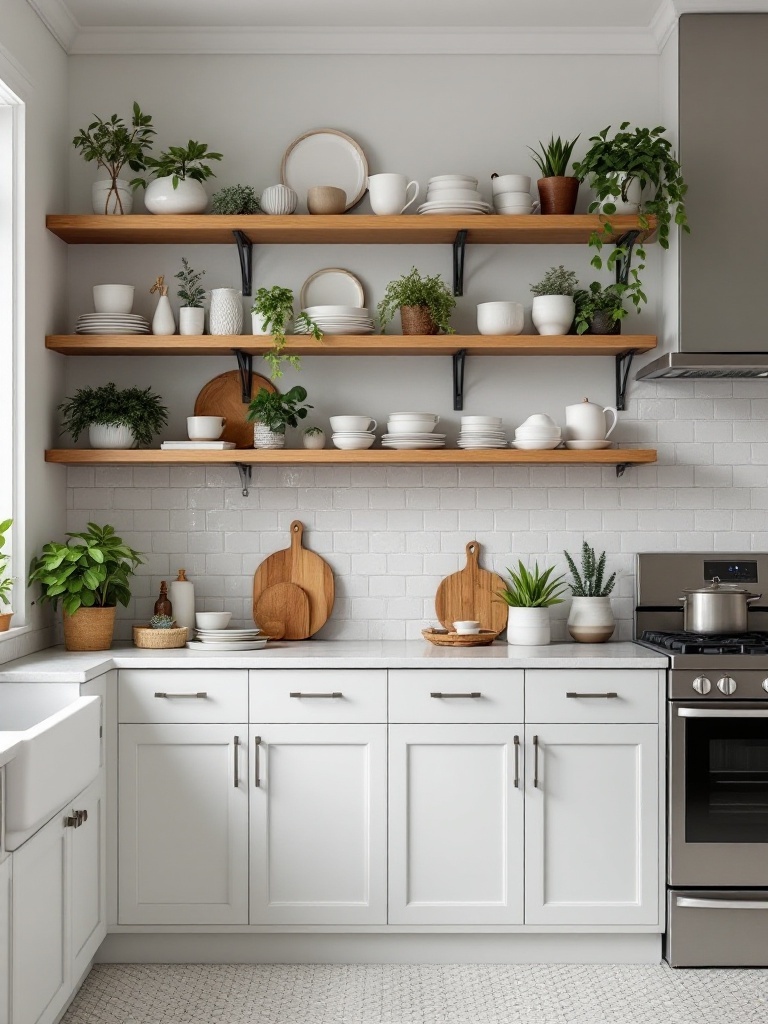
<point x="159" y="639"/>
<point x="481" y="639"/>
<point x="417" y="320"/>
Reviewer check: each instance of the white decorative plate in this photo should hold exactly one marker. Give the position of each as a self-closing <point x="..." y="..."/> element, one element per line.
<point x="325" y="156"/>
<point x="246" y="645"/>
<point x="588" y="446"/>
<point x="332" y="287"/>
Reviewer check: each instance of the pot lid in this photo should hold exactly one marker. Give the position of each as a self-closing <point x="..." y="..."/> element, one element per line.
<point x="717" y="587"/>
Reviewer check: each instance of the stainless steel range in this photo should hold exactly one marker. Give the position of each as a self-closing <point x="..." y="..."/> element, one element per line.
<point x="717" y="846"/>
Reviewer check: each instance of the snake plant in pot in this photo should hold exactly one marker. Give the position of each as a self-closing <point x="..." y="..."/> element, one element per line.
<point x="529" y="596"/>
<point x="591" y="618"/>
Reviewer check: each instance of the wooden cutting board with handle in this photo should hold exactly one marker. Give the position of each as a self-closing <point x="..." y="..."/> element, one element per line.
<point x="305" y="569"/>
<point x="471" y="593"/>
<point x="282" y="612"/>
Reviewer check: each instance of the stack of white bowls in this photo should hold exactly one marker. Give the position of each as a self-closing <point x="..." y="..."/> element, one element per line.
<point x="353" y="433"/>
<point x="512" y="195"/>
<point x="412" y="431"/>
<point x="339" y="319"/>
<point x="453" y="193"/>
<point x="482" y="432"/>
<point x="538" y="433"/>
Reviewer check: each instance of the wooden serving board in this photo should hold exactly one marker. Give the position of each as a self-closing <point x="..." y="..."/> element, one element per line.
<point x="223" y="396"/>
<point x="472" y="594"/>
<point x="282" y="612"/>
<point x="304" y="568"/>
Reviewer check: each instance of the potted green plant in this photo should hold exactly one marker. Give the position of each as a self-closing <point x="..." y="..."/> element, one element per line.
<point x="529" y="596"/>
<point x="113" y="418"/>
<point x="6" y="582"/>
<point x="91" y="575"/>
<point x="599" y="310"/>
<point x="553" y="305"/>
<point x="591" y="618"/>
<point x="425" y="304"/>
<point x="178" y="175"/>
<point x="235" y="200"/>
<point x="110" y="144"/>
<point x="191" y="293"/>
<point x="271" y="413"/>
<point x="313" y="438"/>
<point x="557" y="190"/>
<point x="271" y="312"/>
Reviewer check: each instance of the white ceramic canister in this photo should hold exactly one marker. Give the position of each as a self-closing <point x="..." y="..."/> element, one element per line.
<point x="226" y="316"/>
<point x="586" y="421"/>
<point x="189" y="196"/>
<point x="182" y="595"/>
<point x="591" y="620"/>
<point x="110" y="435"/>
<point x="106" y="199"/>
<point x="528" y="627"/>
<point x="191" y="320"/>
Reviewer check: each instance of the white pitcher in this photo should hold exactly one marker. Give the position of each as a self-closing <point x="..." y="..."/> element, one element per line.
<point x="586" y="421"/>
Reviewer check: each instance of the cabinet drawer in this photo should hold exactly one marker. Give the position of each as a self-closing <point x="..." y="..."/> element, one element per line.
<point x="318" y="695"/>
<point x="225" y="695"/>
<point x="578" y="695"/>
<point x="433" y="695"/>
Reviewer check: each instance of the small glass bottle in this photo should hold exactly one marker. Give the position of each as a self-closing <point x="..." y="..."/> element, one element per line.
<point x="162" y="605"/>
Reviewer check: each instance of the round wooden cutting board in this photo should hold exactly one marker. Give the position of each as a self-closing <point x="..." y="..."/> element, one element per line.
<point x="282" y="612"/>
<point x="223" y="396"/>
<point x="472" y="594"/>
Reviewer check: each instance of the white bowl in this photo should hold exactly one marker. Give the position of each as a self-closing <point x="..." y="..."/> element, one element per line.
<point x="466" y="626"/>
<point x="537" y="435"/>
<point x="458" y="179"/>
<point x="333" y="311"/>
<point x="414" y="415"/>
<point x="414" y="426"/>
<point x="539" y="419"/>
<point x="354" y="423"/>
<point x="510" y="183"/>
<point x="500" y="317"/>
<point x="536" y="446"/>
<point x="454" y="195"/>
<point x="352" y="444"/>
<point x="212" y="620"/>
<point x="482" y="420"/>
<point x="113" y="298"/>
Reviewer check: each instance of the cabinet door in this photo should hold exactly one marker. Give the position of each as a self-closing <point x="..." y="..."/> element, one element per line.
<point x="455" y="824"/>
<point x="183" y="831"/>
<point x="88" y="881"/>
<point x="5" y="938"/>
<point x="318" y="824"/>
<point x="591" y="824"/>
<point x="40" y="941"/>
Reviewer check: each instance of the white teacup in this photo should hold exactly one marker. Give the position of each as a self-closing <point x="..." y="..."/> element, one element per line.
<point x="389" y="193"/>
<point x="510" y="183"/>
<point x="345" y="424"/>
<point x="205" y="428"/>
<point x="465" y="627"/>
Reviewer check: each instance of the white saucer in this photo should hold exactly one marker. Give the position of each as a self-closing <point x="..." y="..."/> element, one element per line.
<point x="536" y="446"/>
<point x="587" y="446"/>
<point x="246" y="645"/>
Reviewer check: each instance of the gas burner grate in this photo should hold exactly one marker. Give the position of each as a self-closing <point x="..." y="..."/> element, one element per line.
<point x="699" y="643"/>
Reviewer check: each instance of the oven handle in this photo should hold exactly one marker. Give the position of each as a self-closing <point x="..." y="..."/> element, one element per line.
<point x="690" y="901"/>
<point x="724" y="713"/>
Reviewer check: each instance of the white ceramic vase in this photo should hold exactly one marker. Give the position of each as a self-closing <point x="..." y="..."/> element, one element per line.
<point x="110" y="435"/>
<point x="263" y="437"/>
<point x="163" y="322"/>
<point x="226" y="316"/>
<point x="632" y="191"/>
<point x="191" y="320"/>
<point x="591" y="620"/>
<point x="553" y="314"/>
<point x="106" y="199"/>
<point x="528" y="627"/>
<point x="189" y="196"/>
<point x="278" y="200"/>
<point x="314" y="442"/>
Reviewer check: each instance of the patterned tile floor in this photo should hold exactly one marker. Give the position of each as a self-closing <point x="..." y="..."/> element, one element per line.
<point x="460" y="994"/>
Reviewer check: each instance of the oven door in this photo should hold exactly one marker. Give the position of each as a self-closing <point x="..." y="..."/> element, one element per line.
<point x="718" y="794"/>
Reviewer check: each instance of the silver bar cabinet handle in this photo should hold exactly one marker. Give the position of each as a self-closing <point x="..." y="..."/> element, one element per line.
<point x="256" y="744"/>
<point x="475" y="694"/>
<point x="724" y="713"/>
<point x="714" y="904"/>
<point x="536" y="761"/>
<point x="608" y="695"/>
<point x="200" y="695"/>
<point x="297" y="693"/>
<point x="237" y="758"/>
<point x="517" y="761"/>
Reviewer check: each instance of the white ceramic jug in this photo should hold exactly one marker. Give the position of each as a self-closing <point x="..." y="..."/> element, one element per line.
<point x="586" y="421"/>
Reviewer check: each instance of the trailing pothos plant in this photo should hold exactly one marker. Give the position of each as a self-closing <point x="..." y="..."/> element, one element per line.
<point x="275" y="308"/>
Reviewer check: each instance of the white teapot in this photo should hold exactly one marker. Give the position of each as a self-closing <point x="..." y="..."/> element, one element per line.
<point x="587" y="421"/>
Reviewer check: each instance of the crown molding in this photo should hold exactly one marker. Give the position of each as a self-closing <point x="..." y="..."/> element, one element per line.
<point x="719" y="6"/>
<point x="58" y="19"/>
<point x="663" y="24"/>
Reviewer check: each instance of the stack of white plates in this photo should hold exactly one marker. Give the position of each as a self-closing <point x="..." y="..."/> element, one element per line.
<point x="339" y="319"/>
<point x="482" y="432"/>
<point x="112" y="323"/>
<point x="214" y="640"/>
<point x="454" y="193"/>
<point x="412" y="442"/>
<point x="411" y="431"/>
<point x="353" y="440"/>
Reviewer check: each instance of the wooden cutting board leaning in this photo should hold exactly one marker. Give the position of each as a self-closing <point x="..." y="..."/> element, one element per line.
<point x="472" y="593"/>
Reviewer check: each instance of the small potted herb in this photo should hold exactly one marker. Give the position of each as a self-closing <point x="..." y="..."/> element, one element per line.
<point x="271" y="312"/>
<point x="591" y="618"/>
<point x="553" y="305"/>
<point x="191" y="293"/>
<point x="530" y="595"/>
<point x="162" y="633"/>
<point x="425" y="304"/>
<point x="114" y="419"/>
<point x="271" y="413"/>
<point x="313" y="438"/>
<point x="110" y="144"/>
<point x="599" y="310"/>
<point x="6" y="582"/>
<point x="178" y="175"/>
<point x="235" y="200"/>
<point x="557" y="191"/>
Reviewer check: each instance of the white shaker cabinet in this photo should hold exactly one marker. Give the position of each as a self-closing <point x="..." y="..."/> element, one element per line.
<point x="88" y="877"/>
<point x="5" y="937"/>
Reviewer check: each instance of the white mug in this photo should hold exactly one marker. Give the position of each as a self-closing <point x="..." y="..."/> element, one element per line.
<point x="586" y="421"/>
<point x="205" y="428"/>
<point x="389" y="193"/>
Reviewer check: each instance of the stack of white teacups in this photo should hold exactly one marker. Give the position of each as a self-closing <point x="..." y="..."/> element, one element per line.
<point x="353" y="433"/>
<point x="512" y="194"/>
<point x="453" y="193"/>
<point x="537" y="433"/>
<point x="412" y="430"/>
<point x="482" y="432"/>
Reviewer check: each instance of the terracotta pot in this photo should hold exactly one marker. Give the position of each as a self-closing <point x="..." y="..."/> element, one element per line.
<point x="417" y="320"/>
<point x="89" y="629"/>
<point x="558" y="195"/>
<point x="5" y="621"/>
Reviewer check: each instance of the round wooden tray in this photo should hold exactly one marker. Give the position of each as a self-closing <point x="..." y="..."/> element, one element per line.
<point x="481" y="639"/>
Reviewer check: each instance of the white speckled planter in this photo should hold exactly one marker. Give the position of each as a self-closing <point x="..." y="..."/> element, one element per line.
<point x="265" y="438"/>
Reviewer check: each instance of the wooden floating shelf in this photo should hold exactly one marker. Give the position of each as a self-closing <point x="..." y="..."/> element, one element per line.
<point x="351" y="345"/>
<point x="356" y="229"/>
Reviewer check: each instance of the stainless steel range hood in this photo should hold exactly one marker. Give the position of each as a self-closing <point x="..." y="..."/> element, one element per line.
<point x="701" y="365"/>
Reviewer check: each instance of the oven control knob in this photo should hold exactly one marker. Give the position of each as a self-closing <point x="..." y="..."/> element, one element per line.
<point x="726" y="685"/>
<point x="701" y="684"/>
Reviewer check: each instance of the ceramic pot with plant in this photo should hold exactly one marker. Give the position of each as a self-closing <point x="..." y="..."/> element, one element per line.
<point x="529" y="596"/>
<point x="90" y="574"/>
<point x="591" y="618"/>
<point x="425" y="304"/>
<point x="113" y="418"/>
<point x="599" y="310"/>
<point x="110" y="144"/>
<point x="271" y="412"/>
<point x="192" y="313"/>
<point x="235" y="200"/>
<point x="313" y="439"/>
<point x="558" y="191"/>
<point x="6" y="582"/>
<point x="271" y="312"/>
<point x="178" y="173"/>
<point x="553" y="305"/>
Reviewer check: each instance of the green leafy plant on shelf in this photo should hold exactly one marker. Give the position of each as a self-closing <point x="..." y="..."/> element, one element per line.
<point x="234" y="200"/>
<point x="430" y="293"/>
<point x="6" y="582"/>
<point x="598" y="305"/>
<point x="138" y="409"/>
<point x="92" y="569"/>
<point x="554" y="157"/>
<point x="190" y="290"/>
<point x="590" y="582"/>
<point x="180" y="163"/>
<point x="278" y="411"/>
<point x="556" y="281"/>
<point x="111" y="144"/>
<point x="274" y="306"/>
<point x="535" y="589"/>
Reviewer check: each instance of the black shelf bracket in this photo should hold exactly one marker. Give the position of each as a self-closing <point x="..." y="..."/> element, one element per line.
<point x="620" y="467"/>
<point x="245" y="252"/>
<point x="459" y="361"/>
<point x="459" y="252"/>
<point x="627" y="240"/>
<point x="245" y="471"/>
<point x="245" y="366"/>
<point x="623" y="365"/>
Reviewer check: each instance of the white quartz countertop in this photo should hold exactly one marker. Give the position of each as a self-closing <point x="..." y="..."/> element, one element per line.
<point x="58" y="665"/>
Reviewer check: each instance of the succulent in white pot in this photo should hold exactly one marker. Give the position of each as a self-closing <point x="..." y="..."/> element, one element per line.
<point x="591" y="618"/>
<point x="271" y="412"/>
<point x="553" y="305"/>
<point x="529" y="596"/>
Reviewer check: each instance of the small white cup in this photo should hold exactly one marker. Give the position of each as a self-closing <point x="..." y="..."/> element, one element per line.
<point x="344" y="424"/>
<point x="389" y="193"/>
<point x="466" y="627"/>
<point x="510" y="183"/>
<point x="205" y="428"/>
<point x="113" y="298"/>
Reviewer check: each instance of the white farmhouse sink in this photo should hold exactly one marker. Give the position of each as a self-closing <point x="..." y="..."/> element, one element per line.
<point x="59" y="752"/>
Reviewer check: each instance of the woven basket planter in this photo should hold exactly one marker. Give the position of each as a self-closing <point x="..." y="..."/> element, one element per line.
<point x="89" y="629"/>
<point x="417" y="320"/>
<point x="558" y="195"/>
<point x="159" y="639"/>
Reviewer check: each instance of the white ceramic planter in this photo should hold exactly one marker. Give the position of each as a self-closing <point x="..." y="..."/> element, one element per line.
<point x="257" y="320"/>
<point x="104" y="199"/>
<point x="591" y="620"/>
<point x="226" y="316"/>
<point x="189" y="196"/>
<point x="263" y="437"/>
<point x="314" y="442"/>
<point x="108" y="435"/>
<point x="634" y="194"/>
<point x="163" y="322"/>
<point x="278" y="200"/>
<point x="500" y="317"/>
<point x="553" y="314"/>
<point x="528" y="627"/>
<point x="191" y="320"/>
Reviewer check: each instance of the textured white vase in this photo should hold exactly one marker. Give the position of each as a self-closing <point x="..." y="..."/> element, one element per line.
<point x="591" y="620"/>
<point x="191" y="320"/>
<point x="110" y="435"/>
<point x="163" y="322"/>
<point x="189" y="196"/>
<point x="104" y="198"/>
<point x="553" y="314"/>
<point x="528" y="627"/>
<point x="263" y="437"/>
<point x="278" y="200"/>
<point x="226" y="315"/>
